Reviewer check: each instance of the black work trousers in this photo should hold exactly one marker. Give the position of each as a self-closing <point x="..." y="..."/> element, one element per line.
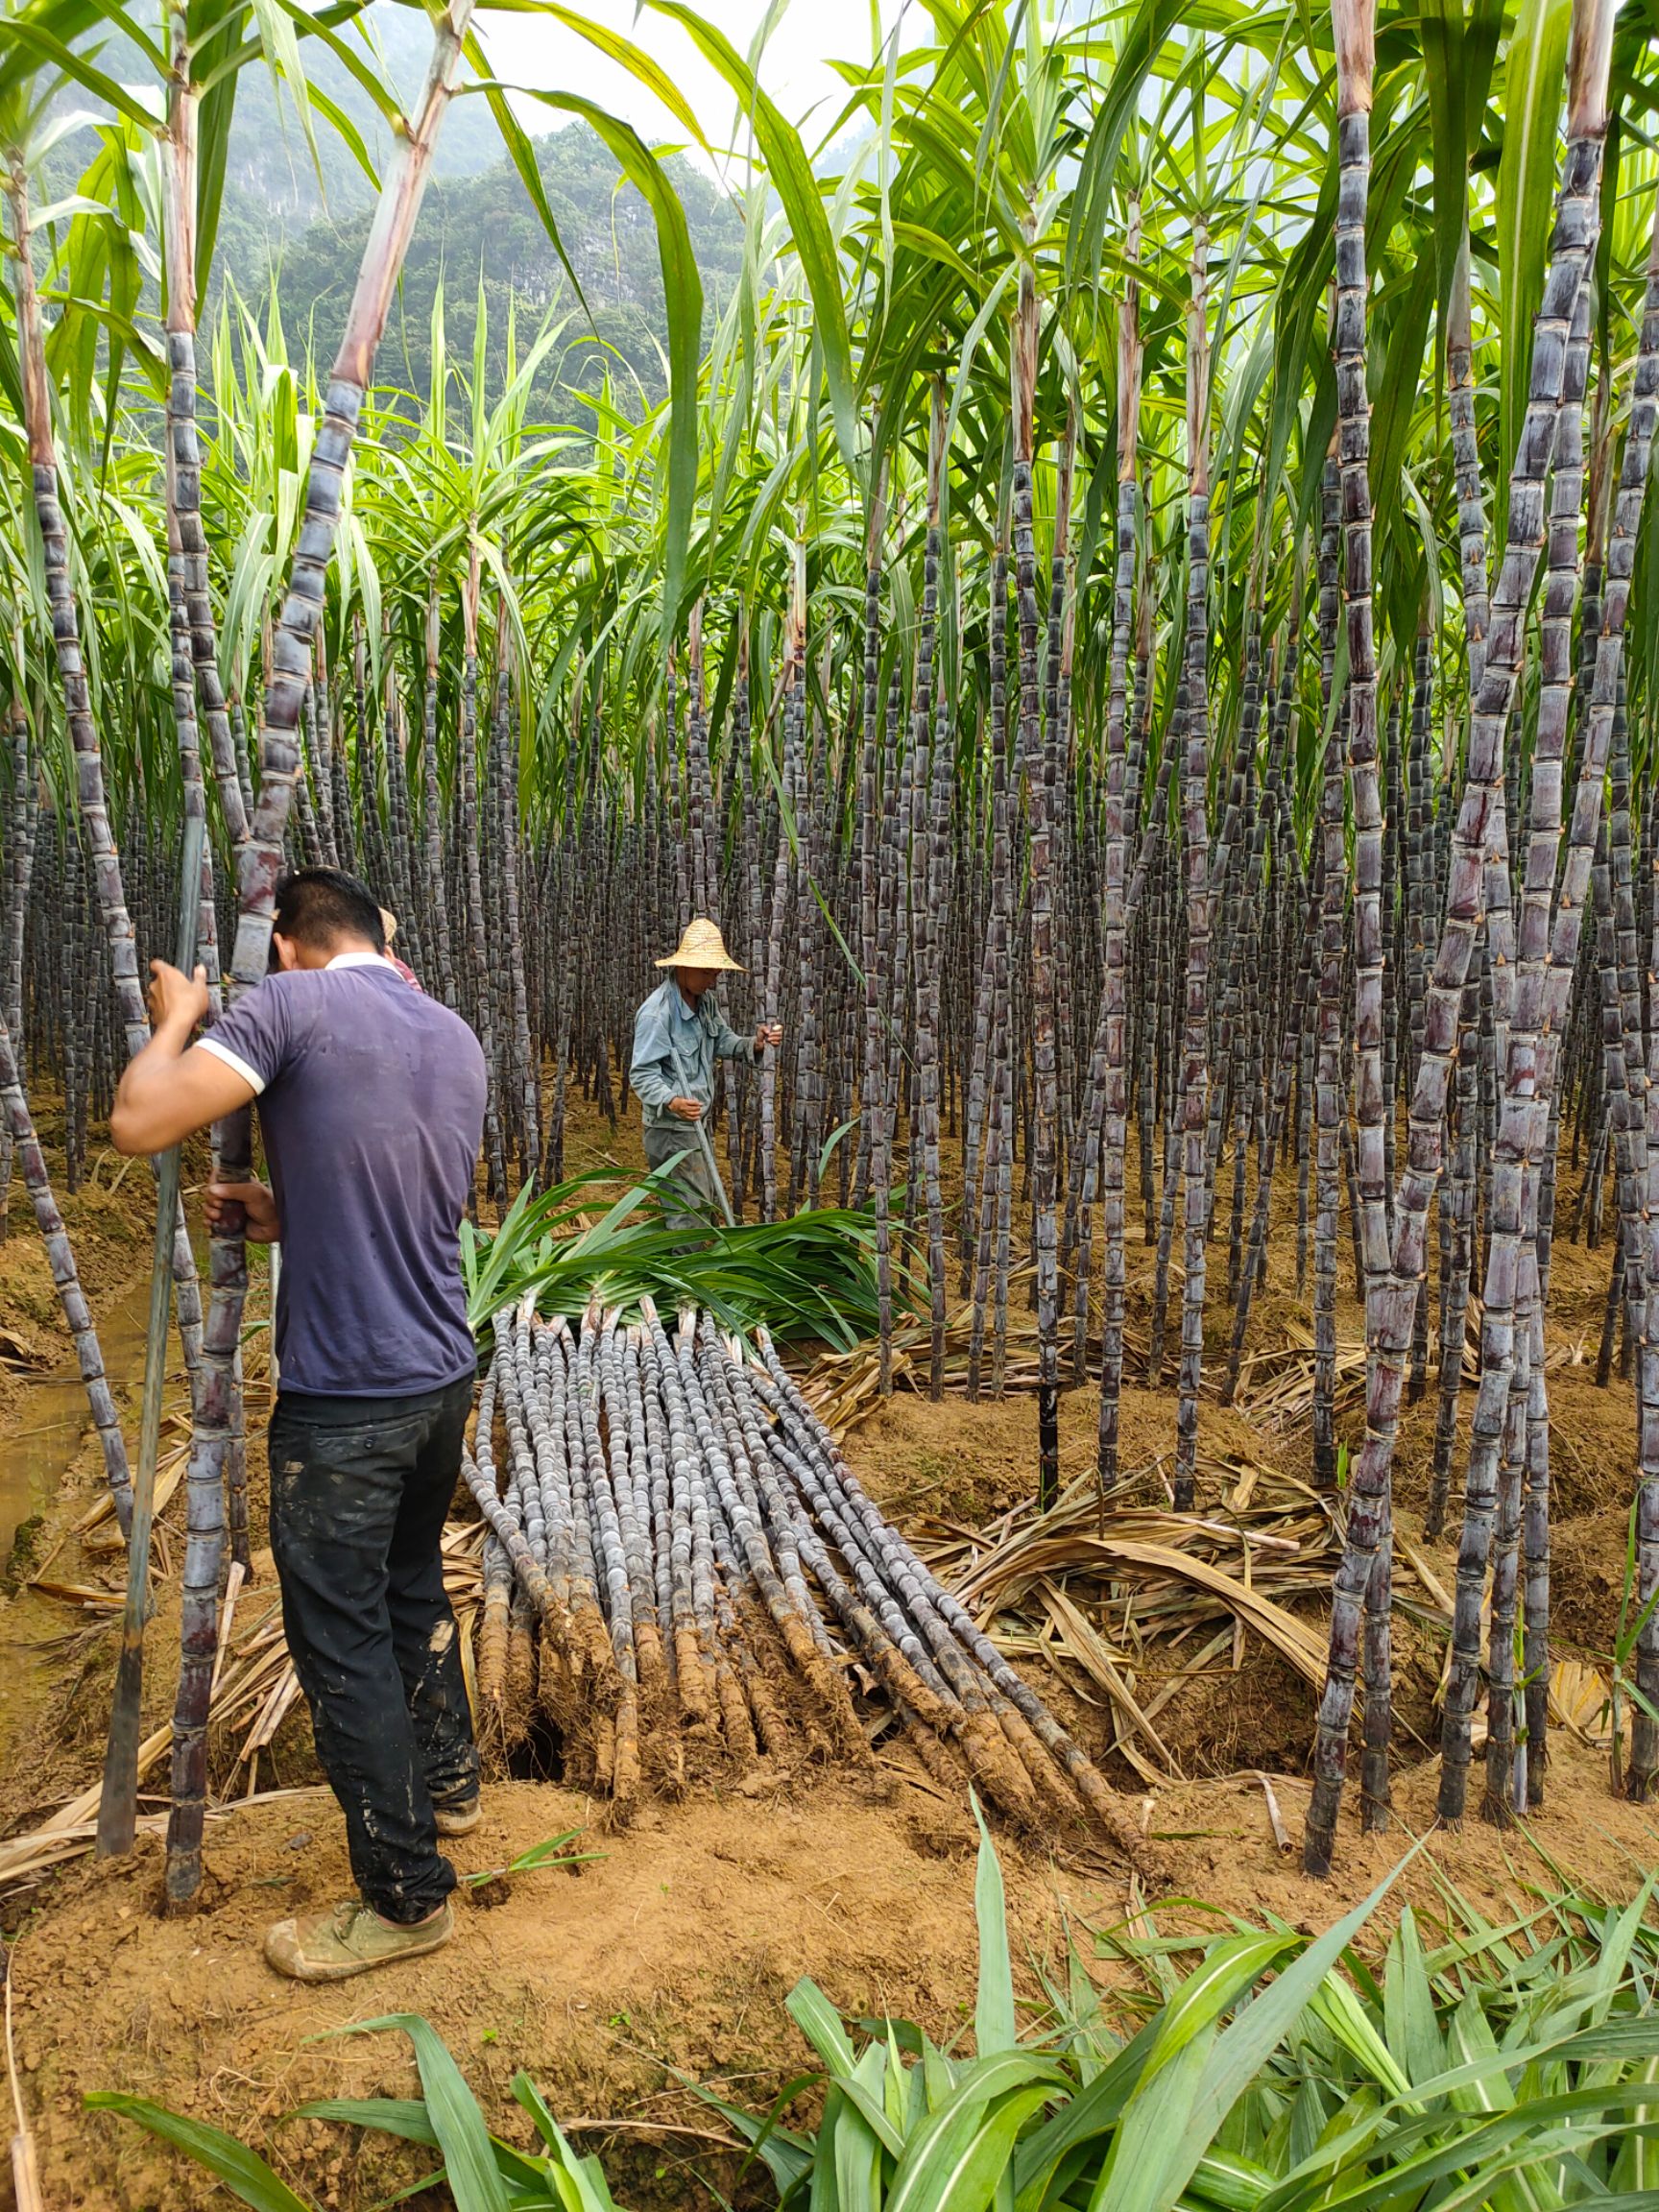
<point x="360" y="1489"/>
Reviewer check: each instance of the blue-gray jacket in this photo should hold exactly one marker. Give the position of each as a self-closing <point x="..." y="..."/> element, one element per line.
<point x="675" y="1049"/>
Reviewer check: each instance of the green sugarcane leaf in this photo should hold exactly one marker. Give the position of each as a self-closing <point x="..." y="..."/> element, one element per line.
<point x="655" y="79"/>
<point x="1409" y="2026"/>
<point x="242" y="2172"/>
<point x="1635" y="2167"/>
<point x="1141" y="2172"/>
<point x="824" y="2182"/>
<point x="405" y="2117"/>
<point x="1441" y="29"/>
<point x="993" y="2021"/>
<point x="968" y="2160"/>
<point x="1614" y="1961"/>
<point x="346" y="131"/>
<point x="1234" y="2183"/>
<point x="790" y="175"/>
<point x="943" y="2162"/>
<point x="1243" y="2048"/>
<point x="468" y="2159"/>
<point x="788" y="2156"/>
<point x="580" y="2182"/>
<point x="280" y="40"/>
<point x="35" y="40"/>
<point x="1396" y="399"/>
<point x="1480" y="2164"/>
<point x="683" y="294"/>
<point x="858" y="2148"/>
<point x="1154" y="22"/>
<point x="1229" y="1970"/>
<point x="821" y="2024"/>
<point x="1336" y="2007"/>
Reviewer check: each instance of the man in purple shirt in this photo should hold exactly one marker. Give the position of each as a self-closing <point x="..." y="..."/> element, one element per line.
<point x="371" y="1100"/>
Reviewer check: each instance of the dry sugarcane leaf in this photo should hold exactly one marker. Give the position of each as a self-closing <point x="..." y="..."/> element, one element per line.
<point x="234" y="1581"/>
<point x="89" y="1594"/>
<point x="1292" y="1638"/>
<point x="169" y="1474"/>
<point x="1083" y="1644"/>
<point x="1426" y="1575"/>
<point x="1582" y="1699"/>
<point x="1244" y="1490"/>
<point x="1032" y="1557"/>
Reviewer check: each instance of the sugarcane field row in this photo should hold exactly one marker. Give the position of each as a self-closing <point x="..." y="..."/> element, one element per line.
<point x="1075" y="780"/>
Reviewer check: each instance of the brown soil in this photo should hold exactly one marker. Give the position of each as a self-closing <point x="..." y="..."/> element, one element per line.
<point x="677" y="1949"/>
<point x="106" y="1226"/>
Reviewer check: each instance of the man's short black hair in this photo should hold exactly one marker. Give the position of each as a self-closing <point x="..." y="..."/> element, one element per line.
<point x="317" y="907"/>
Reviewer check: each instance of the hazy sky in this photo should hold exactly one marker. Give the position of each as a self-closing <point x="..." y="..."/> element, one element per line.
<point x="794" y="69"/>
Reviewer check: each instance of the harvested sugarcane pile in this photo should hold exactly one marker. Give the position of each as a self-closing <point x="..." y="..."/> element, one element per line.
<point x="684" y="1575"/>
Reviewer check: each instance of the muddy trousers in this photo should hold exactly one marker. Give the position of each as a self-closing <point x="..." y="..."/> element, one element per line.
<point x="360" y="1489"/>
<point x="678" y="1141"/>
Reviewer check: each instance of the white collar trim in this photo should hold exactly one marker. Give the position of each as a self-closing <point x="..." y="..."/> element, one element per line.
<point x="358" y="960"/>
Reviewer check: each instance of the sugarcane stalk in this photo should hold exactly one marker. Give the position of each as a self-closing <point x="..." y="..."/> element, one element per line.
<point x="1572" y="248"/>
<point x="118" y="1801"/>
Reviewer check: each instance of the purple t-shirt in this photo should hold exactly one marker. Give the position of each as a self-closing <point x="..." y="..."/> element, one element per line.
<point x="372" y="1104"/>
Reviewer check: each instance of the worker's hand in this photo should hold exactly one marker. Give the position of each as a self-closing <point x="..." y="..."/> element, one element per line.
<point x="768" y="1033"/>
<point x="687" y="1109"/>
<point x="176" y="999"/>
<point x="260" y="1222"/>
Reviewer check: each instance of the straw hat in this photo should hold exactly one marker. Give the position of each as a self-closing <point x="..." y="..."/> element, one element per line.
<point x="388" y="924"/>
<point x="702" y="947"/>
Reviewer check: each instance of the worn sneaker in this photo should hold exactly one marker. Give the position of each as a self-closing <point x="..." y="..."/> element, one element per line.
<point x="459" y="1817"/>
<point x="351" y="1940"/>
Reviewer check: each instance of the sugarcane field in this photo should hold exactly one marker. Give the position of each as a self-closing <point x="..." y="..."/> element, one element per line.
<point x="829" y="1105"/>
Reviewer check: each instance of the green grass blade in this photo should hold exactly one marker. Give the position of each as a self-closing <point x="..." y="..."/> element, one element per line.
<point x="994" y="2022"/>
<point x="468" y="2159"/>
<point x="242" y="2172"/>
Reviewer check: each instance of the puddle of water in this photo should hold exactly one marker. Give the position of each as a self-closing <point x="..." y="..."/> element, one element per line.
<point x="53" y="1420"/>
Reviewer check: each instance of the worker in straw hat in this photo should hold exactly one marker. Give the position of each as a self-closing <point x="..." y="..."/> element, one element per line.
<point x="678" y="1036"/>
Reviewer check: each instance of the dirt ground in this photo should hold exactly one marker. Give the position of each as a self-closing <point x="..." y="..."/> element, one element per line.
<point x="676" y="1949"/>
<point x="670" y="1956"/>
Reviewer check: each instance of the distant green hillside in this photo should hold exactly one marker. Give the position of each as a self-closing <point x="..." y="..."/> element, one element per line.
<point x="302" y="221"/>
<point x="483" y="231"/>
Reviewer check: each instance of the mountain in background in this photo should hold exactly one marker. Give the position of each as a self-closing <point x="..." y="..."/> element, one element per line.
<point x="271" y="180"/>
<point x="480" y="237"/>
<point x="297" y="222"/>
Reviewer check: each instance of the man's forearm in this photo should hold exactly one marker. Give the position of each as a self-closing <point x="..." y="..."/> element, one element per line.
<point x="147" y="1083"/>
